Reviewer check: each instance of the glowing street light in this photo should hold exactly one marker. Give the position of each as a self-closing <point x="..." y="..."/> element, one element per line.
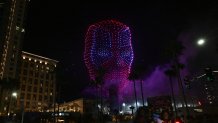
<point x="124" y="107"/>
<point x="201" y="42"/>
<point x="14" y="94"/>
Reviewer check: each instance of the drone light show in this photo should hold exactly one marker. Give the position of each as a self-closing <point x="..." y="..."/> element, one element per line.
<point x="108" y="47"/>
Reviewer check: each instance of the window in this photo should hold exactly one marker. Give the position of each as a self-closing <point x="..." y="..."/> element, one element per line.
<point x="28" y="96"/>
<point x="31" y="73"/>
<point x="25" y="64"/>
<point x="40" y="90"/>
<point x="31" y="65"/>
<point x="23" y="87"/>
<point x="35" y="82"/>
<point x="27" y="104"/>
<point x="41" y="83"/>
<point x="11" y="68"/>
<point x="22" y="96"/>
<point x="24" y="79"/>
<point x="47" y="76"/>
<point x="24" y="72"/>
<point x="34" y="97"/>
<point x="51" y="98"/>
<point x="35" y="89"/>
<point x="42" y="76"/>
<point x="30" y="80"/>
<point x="29" y="88"/>
<point x="46" y="84"/>
<point x="40" y="97"/>
<point x="36" y="74"/>
<point x="45" y="97"/>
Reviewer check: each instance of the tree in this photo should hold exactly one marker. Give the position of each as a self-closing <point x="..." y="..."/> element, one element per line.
<point x="173" y="51"/>
<point x="171" y="73"/>
<point x="139" y="72"/>
<point x="99" y="82"/>
<point x="133" y="77"/>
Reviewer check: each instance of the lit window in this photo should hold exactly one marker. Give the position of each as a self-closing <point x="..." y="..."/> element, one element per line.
<point x="29" y="59"/>
<point x="23" y="30"/>
<point x="24" y="57"/>
<point x="17" y="28"/>
<point x="45" y="62"/>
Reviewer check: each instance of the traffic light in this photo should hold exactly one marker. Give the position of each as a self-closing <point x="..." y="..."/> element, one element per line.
<point x="209" y="74"/>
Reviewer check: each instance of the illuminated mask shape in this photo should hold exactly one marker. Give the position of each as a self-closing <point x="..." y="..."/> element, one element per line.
<point x="108" y="46"/>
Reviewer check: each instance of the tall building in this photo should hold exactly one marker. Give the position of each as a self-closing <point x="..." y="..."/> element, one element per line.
<point x="12" y="17"/>
<point x="38" y="81"/>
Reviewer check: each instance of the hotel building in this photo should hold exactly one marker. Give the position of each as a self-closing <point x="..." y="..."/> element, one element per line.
<point x="37" y="83"/>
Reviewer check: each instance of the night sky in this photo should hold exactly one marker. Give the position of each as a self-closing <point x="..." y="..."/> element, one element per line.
<point x="56" y="29"/>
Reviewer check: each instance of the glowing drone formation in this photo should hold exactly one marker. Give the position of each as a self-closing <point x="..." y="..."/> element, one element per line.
<point x="108" y="47"/>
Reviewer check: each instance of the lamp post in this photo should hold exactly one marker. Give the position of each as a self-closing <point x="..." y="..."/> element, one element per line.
<point x="124" y="107"/>
<point x="13" y="95"/>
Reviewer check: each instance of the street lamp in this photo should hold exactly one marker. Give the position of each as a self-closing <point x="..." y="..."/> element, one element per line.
<point x="201" y="42"/>
<point x="124" y="107"/>
<point x="13" y="95"/>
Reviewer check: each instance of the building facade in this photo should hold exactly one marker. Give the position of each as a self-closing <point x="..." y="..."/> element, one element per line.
<point x="80" y="105"/>
<point x="12" y="17"/>
<point x="37" y="83"/>
<point x="11" y="36"/>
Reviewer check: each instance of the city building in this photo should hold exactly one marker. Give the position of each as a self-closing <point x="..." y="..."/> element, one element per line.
<point x="79" y="105"/>
<point x="37" y="83"/>
<point x="12" y="18"/>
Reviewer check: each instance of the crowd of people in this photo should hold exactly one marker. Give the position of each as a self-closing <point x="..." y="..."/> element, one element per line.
<point x="146" y="115"/>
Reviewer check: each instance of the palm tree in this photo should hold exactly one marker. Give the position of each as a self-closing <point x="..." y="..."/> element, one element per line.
<point x="132" y="108"/>
<point x="171" y="73"/>
<point x="99" y="82"/>
<point x="140" y="71"/>
<point x="178" y="67"/>
<point x="133" y="77"/>
<point x="173" y="51"/>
